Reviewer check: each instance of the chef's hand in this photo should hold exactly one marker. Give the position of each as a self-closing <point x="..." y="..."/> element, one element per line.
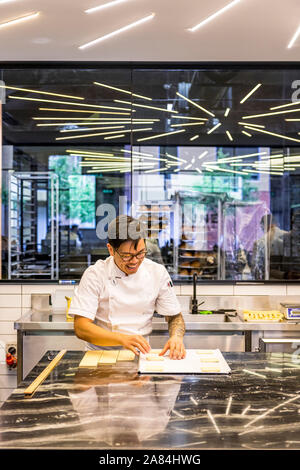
<point x="176" y="347"/>
<point x="135" y="341"/>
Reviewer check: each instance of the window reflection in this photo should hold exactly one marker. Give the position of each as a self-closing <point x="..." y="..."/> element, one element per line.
<point x="205" y="157"/>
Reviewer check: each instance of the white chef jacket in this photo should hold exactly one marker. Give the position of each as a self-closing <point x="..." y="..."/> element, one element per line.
<point x="124" y="303"/>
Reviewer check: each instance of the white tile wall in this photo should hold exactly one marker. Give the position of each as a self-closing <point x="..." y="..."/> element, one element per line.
<point x="208" y="290"/>
<point x="293" y="289"/>
<point x="262" y="289"/>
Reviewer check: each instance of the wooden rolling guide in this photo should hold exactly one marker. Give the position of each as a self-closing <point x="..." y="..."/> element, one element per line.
<point x="90" y="359"/>
<point x="29" y="391"/>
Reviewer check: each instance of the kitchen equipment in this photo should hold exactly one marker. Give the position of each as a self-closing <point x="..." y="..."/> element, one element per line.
<point x="262" y="316"/>
<point x="68" y="299"/>
<point x="290" y="311"/>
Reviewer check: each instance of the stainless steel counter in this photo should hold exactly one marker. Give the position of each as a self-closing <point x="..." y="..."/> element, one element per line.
<point x="36" y="330"/>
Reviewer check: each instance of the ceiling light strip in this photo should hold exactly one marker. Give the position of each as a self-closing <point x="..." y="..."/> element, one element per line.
<point x="227" y="112"/>
<point x="294" y="38"/>
<point x="118" y="31"/>
<point x="253" y="125"/>
<point x="214" y="15"/>
<point x="91" y="111"/>
<point x="40" y="92"/>
<point x="214" y="128"/>
<point x="104" y="5"/>
<point x="271" y="114"/>
<point x="250" y="93"/>
<point x="20" y="19"/>
<point x="273" y="134"/>
<point x="194" y="137"/>
<point x="195" y="104"/>
<point x="189" y="117"/>
<point x="188" y="124"/>
<point x="145" y="106"/>
<point x="103" y="133"/>
<point x="122" y="91"/>
<point x="67" y="102"/>
<point x="247" y="134"/>
<point x="226" y="170"/>
<point x="91" y="129"/>
<point x="160" y="135"/>
<point x="229" y="136"/>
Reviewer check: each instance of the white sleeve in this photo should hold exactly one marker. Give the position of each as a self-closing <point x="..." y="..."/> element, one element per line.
<point x="167" y="303"/>
<point x="86" y="297"/>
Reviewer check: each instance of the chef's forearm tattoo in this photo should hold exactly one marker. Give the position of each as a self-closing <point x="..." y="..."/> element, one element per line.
<point x="176" y="325"/>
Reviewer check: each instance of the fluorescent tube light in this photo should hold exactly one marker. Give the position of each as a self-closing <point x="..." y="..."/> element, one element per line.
<point x="188" y="124"/>
<point x="19" y="19"/>
<point x="145" y="106"/>
<point x="273" y="134"/>
<point x="84" y="111"/>
<point x="214" y="128"/>
<point x="40" y="92"/>
<point x="203" y="154"/>
<point x="214" y="15"/>
<point x="160" y="135"/>
<point x="118" y="31"/>
<point x="104" y="5"/>
<point x="294" y="38"/>
<point x="271" y="114"/>
<point x="189" y="117"/>
<point x="247" y="134"/>
<point x="194" y="137"/>
<point x="67" y="102"/>
<point x="122" y="91"/>
<point x="250" y="93"/>
<point x="195" y="104"/>
<point x="92" y="129"/>
<point x="227" y="112"/>
<point x="229" y="135"/>
<point x="253" y="125"/>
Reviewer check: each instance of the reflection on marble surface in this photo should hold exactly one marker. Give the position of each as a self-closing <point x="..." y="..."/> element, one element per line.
<point x="114" y="407"/>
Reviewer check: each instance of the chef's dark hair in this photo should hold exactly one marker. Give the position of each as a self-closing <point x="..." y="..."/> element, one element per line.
<point x="119" y="231"/>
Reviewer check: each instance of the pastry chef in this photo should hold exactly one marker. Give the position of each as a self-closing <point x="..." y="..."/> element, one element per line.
<point x="116" y="298"/>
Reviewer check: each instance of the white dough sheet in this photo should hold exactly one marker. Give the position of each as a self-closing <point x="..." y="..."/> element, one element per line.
<point x="197" y="361"/>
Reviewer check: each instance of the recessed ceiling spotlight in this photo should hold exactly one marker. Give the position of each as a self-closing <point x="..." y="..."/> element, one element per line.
<point x="294" y="38"/>
<point x="118" y="31"/>
<point x="19" y="19"/>
<point x="104" y="5"/>
<point x="214" y="15"/>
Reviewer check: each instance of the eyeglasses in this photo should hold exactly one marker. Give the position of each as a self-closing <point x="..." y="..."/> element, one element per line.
<point x="129" y="257"/>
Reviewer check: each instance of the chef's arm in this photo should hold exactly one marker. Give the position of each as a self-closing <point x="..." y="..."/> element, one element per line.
<point x="86" y="330"/>
<point x="175" y="344"/>
<point x="176" y="325"/>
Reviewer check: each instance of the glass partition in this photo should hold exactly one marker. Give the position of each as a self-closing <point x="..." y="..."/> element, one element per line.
<point x="207" y="157"/>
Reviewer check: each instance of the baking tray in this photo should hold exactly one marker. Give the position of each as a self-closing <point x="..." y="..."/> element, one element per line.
<point x="193" y="363"/>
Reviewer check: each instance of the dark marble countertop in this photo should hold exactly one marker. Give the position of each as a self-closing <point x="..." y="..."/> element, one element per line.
<point x="257" y="406"/>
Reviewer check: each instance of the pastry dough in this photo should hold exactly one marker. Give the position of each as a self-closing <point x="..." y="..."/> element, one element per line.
<point x="209" y="359"/>
<point x="109" y="357"/>
<point x="125" y="355"/>
<point x="90" y="359"/>
<point x="210" y="369"/>
<point x="154" y="358"/>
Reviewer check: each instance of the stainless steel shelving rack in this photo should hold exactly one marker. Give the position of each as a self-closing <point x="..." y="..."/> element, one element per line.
<point x="23" y="223"/>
